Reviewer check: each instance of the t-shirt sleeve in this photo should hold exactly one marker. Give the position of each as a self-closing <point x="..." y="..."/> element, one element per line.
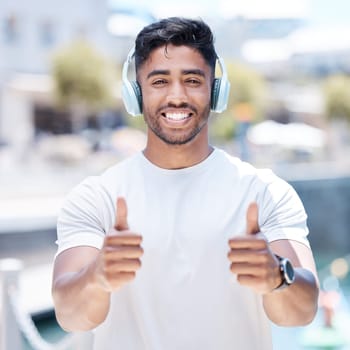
<point x="79" y="222"/>
<point x="283" y="215"/>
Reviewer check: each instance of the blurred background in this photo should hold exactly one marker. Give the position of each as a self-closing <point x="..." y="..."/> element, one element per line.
<point x="62" y="119"/>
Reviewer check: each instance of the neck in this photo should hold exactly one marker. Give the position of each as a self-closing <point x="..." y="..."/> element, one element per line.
<point x="177" y="156"/>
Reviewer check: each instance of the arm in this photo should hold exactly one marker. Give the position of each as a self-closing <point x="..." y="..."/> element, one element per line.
<point x="253" y="261"/>
<point x="84" y="277"/>
<point x="74" y="286"/>
<point x="295" y="305"/>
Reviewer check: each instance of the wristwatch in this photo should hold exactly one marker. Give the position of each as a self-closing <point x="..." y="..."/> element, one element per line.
<point x="287" y="272"/>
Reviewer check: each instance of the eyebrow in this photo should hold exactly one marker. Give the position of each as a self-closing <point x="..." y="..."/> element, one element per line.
<point x="199" y="72"/>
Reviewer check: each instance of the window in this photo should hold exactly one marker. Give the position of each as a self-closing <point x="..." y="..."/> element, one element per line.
<point x="47" y="33"/>
<point x="11" y="29"/>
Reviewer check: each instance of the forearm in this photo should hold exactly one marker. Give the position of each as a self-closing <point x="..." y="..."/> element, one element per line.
<point x="80" y="304"/>
<point x="295" y="305"/>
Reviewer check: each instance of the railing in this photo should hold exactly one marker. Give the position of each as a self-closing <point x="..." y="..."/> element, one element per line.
<point x="16" y="323"/>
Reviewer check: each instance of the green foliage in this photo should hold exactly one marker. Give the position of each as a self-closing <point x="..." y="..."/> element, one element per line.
<point x="82" y="76"/>
<point x="337" y="97"/>
<point x="136" y="122"/>
<point x="222" y="127"/>
<point x="247" y="88"/>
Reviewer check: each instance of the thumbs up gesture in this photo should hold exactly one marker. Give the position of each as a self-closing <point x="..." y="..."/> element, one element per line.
<point x="252" y="219"/>
<point x="119" y="258"/>
<point x="251" y="258"/>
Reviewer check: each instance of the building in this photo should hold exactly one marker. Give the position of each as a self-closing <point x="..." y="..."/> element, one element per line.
<point x="30" y="32"/>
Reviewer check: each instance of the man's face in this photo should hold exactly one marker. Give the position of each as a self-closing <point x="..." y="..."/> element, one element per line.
<point x="176" y="85"/>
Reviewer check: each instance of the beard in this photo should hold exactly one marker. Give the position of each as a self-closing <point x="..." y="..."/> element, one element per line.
<point x="176" y="136"/>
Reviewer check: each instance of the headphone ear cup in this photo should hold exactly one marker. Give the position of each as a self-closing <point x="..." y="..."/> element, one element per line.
<point x="138" y="94"/>
<point x="220" y="90"/>
<point x="215" y="93"/>
<point x="131" y="90"/>
<point x="132" y="98"/>
<point x="220" y="94"/>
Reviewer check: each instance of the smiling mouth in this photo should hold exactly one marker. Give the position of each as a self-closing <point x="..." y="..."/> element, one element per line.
<point x="176" y="116"/>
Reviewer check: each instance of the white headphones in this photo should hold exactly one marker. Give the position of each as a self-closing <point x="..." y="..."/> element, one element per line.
<point x="132" y="96"/>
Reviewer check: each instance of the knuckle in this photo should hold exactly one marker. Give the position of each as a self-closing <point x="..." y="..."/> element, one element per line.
<point x="264" y="275"/>
<point x="131" y="275"/>
<point x="241" y="279"/>
<point x="106" y="256"/>
<point x="265" y="259"/>
<point x="109" y="276"/>
<point x="140" y="251"/>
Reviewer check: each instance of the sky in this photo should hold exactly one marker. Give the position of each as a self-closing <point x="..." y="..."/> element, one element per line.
<point x="317" y="12"/>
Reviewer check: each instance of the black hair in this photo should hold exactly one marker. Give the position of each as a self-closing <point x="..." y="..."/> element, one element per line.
<point x="177" y="31"/>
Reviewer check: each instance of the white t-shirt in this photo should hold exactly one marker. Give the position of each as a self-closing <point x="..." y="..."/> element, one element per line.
<point x="184" y="296"/>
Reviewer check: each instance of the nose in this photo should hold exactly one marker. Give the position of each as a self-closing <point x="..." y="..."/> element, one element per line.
<point x="177" y="94"/>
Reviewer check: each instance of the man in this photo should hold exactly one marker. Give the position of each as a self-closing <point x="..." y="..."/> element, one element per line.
<point x="182" y="246"/>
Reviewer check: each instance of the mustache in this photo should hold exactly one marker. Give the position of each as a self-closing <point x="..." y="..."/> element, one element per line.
<point x="177" y="106"/>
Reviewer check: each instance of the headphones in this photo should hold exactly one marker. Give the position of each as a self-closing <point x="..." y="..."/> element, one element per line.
<point x="132" y="95"/>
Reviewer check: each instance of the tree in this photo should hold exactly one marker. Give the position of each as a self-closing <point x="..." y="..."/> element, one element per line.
<point x="247" y="93"/>
<point x="336" y="91"/>
<point x="83" y="81"/>
<point x="337" y="97"/>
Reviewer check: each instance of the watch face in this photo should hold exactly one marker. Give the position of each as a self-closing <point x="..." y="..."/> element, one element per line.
<point x="288" y="272"/>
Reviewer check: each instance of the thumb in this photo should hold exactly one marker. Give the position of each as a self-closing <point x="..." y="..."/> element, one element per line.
<point x="252" y="219"/>
<point x="121" y="217"/>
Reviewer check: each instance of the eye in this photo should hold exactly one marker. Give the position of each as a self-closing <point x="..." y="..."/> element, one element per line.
<point x="159" y="82"/>
<point x="193" y="81"/>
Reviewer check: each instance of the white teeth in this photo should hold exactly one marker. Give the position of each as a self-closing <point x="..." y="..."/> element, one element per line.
<point x="176" y="116"/>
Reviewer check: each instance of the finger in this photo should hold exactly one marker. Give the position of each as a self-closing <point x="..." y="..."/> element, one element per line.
<point x="248" y="280"/>
<point x="247" y="243"/>
<point x="247" y="256"/>
<point x="121" y="219"/>
<point x="125" y="265"/>
<point x="252" y="219"/>
<point x="123" y="252"/>
<point x="123" y="239"/>
<point x="246" y="269"/>
<point x="115" y="280"/>
<point x="258" y="284"/>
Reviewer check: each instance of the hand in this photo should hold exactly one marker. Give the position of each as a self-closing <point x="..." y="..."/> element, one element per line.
<point x="119" y="258"/>
<point x="251" y="258"/>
